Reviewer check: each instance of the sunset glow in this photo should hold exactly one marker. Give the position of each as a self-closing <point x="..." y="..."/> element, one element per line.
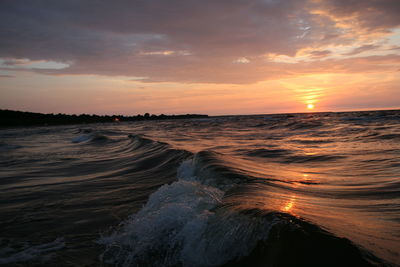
<point x="199" y="57"/>
<point x="200" y="132"/>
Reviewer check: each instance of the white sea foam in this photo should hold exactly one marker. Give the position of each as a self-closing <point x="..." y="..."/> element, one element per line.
<point x="179" y="226"/>
<point x="172" y="218"/>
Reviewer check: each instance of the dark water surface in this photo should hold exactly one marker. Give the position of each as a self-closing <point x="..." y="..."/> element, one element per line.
<point x="270" y="190"/>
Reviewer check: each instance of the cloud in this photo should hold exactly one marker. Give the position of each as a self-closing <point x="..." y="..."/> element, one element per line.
<point x="21" y="64"/>
<point x="361" y="49"/>
<point x="242" y="60"/>
<point x="368" y="14"/>
<point x="182" y="40"/>
<point x="320" y="53"/>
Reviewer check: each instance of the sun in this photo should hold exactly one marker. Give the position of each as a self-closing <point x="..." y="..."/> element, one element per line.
<point x="310" y="106"/>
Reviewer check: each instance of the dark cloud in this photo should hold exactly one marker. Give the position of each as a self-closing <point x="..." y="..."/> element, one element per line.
<point x="175" y="40"/>
<point x="205" y="27"/>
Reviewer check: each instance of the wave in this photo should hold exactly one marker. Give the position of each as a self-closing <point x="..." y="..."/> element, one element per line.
<point x="288" y="156"/>
<point x="191" y="222"/>
<point x="312" y="158"/>
<point x="182" y="225"/>
<point x="292" y="124"/>
<point x="240" y="203"/>
<point x="93" y="138"/>
<point x="305" y="125"/>
<point x="85" y="130"/>
<point x="7" y="147"/>
<point x="42" y="252"/>
<point x="294" y="242"/>
<point x="389" y="137"/>
<point x="163" y="232"/>
<point x="315" y="141"/>
<point x="268" y="153"/>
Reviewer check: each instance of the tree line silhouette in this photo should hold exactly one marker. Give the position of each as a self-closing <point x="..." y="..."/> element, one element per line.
<point x="20" y="118"/>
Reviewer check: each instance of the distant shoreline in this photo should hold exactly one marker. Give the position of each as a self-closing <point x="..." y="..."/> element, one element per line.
<point x="12" y="118"/>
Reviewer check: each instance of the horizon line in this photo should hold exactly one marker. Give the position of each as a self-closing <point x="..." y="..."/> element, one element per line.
<point x="224" y="115"/>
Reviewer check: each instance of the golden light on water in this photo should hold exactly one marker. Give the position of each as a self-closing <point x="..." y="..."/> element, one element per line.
<point x="289" y="205"/>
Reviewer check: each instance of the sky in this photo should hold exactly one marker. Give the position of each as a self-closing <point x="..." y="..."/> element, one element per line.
<point x="213" y="57"/>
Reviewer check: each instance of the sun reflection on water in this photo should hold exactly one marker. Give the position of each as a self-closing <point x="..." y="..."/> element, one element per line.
<point x="289" y="204"/>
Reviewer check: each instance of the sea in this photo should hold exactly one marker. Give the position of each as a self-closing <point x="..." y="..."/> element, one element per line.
<point x="311" y="189"/>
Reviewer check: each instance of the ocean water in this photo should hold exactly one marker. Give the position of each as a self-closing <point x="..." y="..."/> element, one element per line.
<point x="267" y="190"/>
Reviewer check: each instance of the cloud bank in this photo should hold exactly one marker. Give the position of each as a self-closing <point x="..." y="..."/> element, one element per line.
<point x="196" y="41"/>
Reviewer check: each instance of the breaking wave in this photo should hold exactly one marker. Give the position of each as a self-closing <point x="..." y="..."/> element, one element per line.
<point x="194" y="222"/>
